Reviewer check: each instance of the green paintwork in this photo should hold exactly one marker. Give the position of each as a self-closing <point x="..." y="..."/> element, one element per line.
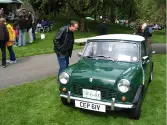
<point x="106" y="74"/>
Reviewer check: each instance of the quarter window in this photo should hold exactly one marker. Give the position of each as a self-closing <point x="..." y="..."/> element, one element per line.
<point x="143" y="49"/>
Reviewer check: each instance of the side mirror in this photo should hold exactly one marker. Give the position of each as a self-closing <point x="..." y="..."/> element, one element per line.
<point x="153" y="52"/>
<point x="144" y="57"/>
<point x="80" y="54"/>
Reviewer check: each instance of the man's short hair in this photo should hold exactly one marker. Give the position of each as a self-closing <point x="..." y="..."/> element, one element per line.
<point x="73" y="22"/>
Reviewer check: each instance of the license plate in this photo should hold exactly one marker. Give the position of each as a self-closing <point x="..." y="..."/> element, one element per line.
<point x="90" y="106"/>
<point x="91" y="94"/>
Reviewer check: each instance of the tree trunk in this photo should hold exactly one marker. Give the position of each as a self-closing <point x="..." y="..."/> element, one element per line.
<point x="112" y="13"/>
<point x="95" y="16"/>
<point x="49" y="9"/>
<point x="82" y="24"/>
<point x="104" y="10"/>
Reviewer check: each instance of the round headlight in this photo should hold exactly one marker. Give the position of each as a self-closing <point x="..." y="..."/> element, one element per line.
<point x="123" y="85"/>
<point x="63" y="78"/>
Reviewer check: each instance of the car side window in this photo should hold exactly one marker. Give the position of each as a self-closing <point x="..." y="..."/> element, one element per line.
<point x="143" y="49"/>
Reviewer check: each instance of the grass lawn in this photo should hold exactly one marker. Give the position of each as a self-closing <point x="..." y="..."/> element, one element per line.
<point x="38" y="47"/>
<point x="38" y="103"/>
<point x="46" y="46"/>
<point x="159" y="36"/>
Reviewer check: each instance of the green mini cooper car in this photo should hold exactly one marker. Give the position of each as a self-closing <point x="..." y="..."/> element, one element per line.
<point x="113" y="73"/>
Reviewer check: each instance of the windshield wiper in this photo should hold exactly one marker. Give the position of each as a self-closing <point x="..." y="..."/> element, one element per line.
<point x="107" y="57"/>
<point x="88" y="56"/>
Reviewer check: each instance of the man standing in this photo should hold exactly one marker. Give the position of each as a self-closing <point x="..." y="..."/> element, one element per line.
<point x="34" y="26"/>
<point x="103" y="27"/>
<point x="4" y="37"/>
<point x="63" y="44"/>
<point x="22" y="30"/>
<point x="29" y="28"/>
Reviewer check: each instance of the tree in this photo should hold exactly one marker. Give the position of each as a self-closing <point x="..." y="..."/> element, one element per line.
<point x="47" y="6"/>
<point x="153" y="10"/>
<point x="126" y="9"/>
<point x="83" y="8"/>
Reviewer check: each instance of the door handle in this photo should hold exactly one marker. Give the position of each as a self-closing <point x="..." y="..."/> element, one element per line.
<point x="148" y="61"/>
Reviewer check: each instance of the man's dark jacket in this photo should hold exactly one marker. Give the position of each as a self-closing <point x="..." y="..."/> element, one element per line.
<point x="23" y="24"/>
<point x="63" y="42"/>
<point x="146" y="32"/>
<point x="103" y="29"/>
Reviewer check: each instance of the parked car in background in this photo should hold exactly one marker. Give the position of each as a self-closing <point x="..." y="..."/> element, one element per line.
<point x="90" y="18"/>
<point x="157" y="27"/>
<point x="113" y="73"/>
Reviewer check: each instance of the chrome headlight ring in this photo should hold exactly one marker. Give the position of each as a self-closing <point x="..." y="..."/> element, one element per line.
<point x="64" y="78"/>
<point x="123" y="85"/>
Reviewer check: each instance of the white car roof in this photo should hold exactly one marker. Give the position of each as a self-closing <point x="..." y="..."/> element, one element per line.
<point x="129" y="37"/>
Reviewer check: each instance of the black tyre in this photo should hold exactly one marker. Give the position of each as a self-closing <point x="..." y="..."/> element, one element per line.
<point x="135" y="112"/>
<point x="65" y="102"/>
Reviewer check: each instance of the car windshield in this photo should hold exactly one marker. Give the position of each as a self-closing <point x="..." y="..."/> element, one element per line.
<point x="114" y="50"/>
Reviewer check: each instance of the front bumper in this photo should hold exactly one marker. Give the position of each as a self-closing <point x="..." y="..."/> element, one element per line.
<point x="112" y="104"/>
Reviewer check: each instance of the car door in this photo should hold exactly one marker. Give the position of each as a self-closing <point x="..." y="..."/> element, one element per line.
<point x="145" y="63"/>
<point x="149" y="54"/>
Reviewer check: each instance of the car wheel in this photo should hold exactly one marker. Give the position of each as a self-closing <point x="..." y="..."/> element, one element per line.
<point x="65" y="102"/>
<point x="135" y="112"/>
<point x="151" y="74"/>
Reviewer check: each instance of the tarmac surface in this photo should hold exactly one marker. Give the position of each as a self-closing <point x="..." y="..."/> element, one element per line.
<point x="32" y="68"/>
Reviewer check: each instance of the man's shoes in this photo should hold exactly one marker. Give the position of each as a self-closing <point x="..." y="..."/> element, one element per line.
<point x="11" y="62"/>
<point x="4" y="66"/>
<point x="8" y="61"/>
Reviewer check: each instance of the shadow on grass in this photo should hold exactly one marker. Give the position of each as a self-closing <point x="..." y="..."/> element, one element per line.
<point x="118" y="113"/>
<point x="114" y="114"/>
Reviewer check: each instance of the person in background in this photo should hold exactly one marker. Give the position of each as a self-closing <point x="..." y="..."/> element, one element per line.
<point x="147" y="34"/>
<point x="10" y="43"/>
<point x="139" y="30"/>
<point x="147" y="30"/>
<point x="29" y="28"/>
<point x="103" y="27"/>
<point x="22" y="30"/>
<point x="34" y="27"/>
<point x="63" y="44"/>
<point x="16" y="30"/>
<point x="4" y="37"/>
<point x="44" y="23"/>
<point x="1" y="12"/>
<point x="150" y="30"/>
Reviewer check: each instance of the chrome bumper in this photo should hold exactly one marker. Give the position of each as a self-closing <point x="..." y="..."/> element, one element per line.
<point x="112" y="103"/>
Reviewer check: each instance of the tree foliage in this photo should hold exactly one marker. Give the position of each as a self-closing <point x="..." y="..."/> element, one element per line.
<point x="48" y="6"/>
<point x="153" y="10"/>
<point x="83" y="8"/>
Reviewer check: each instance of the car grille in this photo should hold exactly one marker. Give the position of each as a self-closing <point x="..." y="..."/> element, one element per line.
<point x="106" y="93"/>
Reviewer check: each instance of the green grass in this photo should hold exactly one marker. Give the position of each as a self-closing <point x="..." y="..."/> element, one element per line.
<point x="38" y="103"/>
<point x="159" y="37"/>
<point x="39" y="46"/>
<point x="46" y="46"/>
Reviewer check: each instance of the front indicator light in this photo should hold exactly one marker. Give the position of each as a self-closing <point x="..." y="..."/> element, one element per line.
<point x="123" y="98"/>
<point x="64" y="89"/>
